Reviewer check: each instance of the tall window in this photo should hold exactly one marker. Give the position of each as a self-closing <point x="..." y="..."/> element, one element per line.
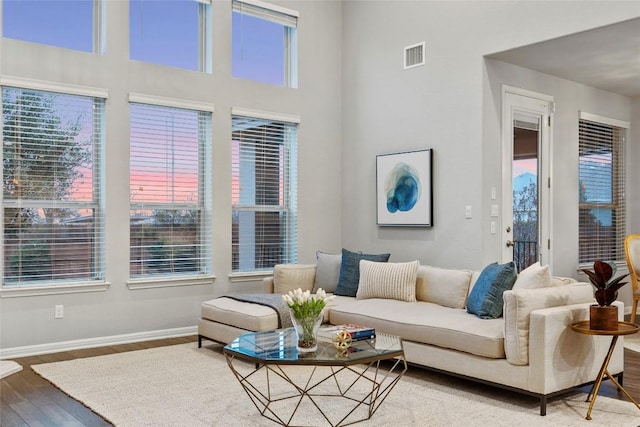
<point x="264" y="43"/>
<point x="602" y="223"/>
<point x="264" y="193"/>
<point x="170" y="214"/>
<point x="62" y="23"/>
<point x="51" y="187"/>
<point x="176" y="33"/>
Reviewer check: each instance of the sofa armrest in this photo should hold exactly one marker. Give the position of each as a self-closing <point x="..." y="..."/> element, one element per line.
<point x="267" y="285"/>
<point x="559" y="357"/>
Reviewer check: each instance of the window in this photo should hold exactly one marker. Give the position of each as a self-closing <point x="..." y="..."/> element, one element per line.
<point x="176" y="33"/>
<point x="51" y="186"/>
<point x="62" y="23"/>
<point x="264" y="43"/>
<point x="264" y="192"/>
<point x="602" y="224"/>
<point x="169" y="173"/>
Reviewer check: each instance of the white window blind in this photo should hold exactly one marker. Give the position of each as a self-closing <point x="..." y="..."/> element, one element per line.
<point x="602" y="206"/>
<point x="170" y="220"/>
<point x="264" y="193"/>
<point x="268" y="12"/>
<point x="53" y="228"/>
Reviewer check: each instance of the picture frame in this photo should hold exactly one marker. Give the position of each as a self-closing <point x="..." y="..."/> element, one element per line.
<point x="404" y="188"/>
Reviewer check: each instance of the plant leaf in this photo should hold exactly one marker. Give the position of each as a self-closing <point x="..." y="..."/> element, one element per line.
<point x="595" y="279"/>
<point x="603" y="270"/>
<point x="617" y="283"/>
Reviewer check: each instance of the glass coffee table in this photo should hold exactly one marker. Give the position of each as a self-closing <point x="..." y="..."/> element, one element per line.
<point x="326" y="387"/>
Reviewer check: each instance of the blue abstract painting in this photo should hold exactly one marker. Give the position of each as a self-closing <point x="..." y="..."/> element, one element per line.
<point x="404" y="188"/>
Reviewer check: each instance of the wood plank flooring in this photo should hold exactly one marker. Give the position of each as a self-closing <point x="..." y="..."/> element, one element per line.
<point x="28" y="400"/>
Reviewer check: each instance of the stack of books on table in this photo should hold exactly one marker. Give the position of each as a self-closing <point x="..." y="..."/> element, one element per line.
<point x="357" y="332"/>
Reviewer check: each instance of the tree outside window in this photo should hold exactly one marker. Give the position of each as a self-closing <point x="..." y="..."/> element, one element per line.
<point x="51" y="178"/>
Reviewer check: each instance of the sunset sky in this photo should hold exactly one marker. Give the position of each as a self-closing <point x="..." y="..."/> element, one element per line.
<point x="162" y="32"/>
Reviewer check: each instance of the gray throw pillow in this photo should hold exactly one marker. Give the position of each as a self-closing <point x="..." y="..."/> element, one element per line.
<point x="327" y="271"/>
<point x="350" y="271"/>
<point x="485" y="299"/>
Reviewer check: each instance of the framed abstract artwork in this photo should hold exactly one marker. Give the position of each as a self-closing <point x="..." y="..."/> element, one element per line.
<point x="404" y="188"/>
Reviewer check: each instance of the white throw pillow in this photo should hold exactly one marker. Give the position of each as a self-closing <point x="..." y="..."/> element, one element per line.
<point x="533" y="277"/>
<point x="518" y="305"/>
<point x="393" y="280"/>
<point x="445" y="287"/>
<point x="289" y="277"/>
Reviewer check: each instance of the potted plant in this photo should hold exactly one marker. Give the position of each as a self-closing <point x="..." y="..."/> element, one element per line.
<point x="603" y="316"/>
<point x="306" y="315"/>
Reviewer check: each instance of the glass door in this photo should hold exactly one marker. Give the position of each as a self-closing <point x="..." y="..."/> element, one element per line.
<point x="526" y="182"/>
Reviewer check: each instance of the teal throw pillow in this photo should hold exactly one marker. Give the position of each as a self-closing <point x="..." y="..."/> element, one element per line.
<point x="350" y="271"/>
<point x="485" y="299"/>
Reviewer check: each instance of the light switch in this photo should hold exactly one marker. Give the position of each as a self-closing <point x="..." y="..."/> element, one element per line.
<point x="494" y="210"/>
<point x="493" y="193"/>
<point x="467" y="212"/>
<point x="493" y="227"/>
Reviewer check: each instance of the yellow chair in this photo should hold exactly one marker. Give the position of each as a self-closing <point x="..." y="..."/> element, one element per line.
<point x="632" y="252"/>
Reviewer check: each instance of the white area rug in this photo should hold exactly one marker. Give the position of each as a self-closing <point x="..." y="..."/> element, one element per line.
<point x="8" y="367"/>
<point x="186" y="386"/>
<point x="632" y="342"/>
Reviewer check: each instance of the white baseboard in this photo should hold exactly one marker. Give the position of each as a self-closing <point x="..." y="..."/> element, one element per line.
<point x="56" y="347"/>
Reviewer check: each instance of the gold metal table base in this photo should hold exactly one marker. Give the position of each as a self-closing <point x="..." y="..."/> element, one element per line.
<point x="341" y="395"/>
<point x="624" y="328"/>
<point x="603" y="371"/>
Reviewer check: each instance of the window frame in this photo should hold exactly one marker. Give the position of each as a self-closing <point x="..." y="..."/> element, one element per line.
<point x="59" y="286"/>
<point x="98" y="33"/>
<point x="205" y="39"/>
<point x="286" y="17"/>
<point x="288" y="191"/>
<point x="204" y="204"/>
<point x="618" y="203"/>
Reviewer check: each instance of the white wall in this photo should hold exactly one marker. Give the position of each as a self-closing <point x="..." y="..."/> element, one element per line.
<point x="355" y="102"/>
<point x="452" y="105"/>
<point x="29" y="321"/>
<point x="570" y="98"/>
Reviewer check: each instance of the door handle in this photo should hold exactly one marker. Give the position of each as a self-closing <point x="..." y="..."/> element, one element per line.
<point x="510" y="243"/>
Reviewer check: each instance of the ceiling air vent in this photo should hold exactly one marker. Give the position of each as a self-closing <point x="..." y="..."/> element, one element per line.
<point x="414" y="55"/>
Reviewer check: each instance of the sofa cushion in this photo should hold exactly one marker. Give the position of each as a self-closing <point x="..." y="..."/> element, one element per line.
<point x="485" y="299"/>
<point x="240" y="314"/>
<point x="426" y="323"/>
<point x="442" y="286"/>
<point x="534" y="276"/>
<point x="327" y="271"/>
<point x="394" y="280"/>
<point x="289" y="277"/>
<point x="350" y="271"/>
<point x="518" y="305"/>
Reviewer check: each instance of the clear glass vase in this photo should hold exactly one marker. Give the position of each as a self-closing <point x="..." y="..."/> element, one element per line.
<point x="307" y="332"/>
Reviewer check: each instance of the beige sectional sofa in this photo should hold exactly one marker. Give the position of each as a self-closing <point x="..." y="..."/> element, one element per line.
<point x="531" y="349"/>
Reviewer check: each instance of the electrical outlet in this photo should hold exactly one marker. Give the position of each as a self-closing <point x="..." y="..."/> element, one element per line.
<point x="59" y="311"/>
<point x="467" y="212"/>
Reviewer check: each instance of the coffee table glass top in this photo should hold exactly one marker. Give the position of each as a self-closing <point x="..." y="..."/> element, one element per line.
<point x="279" y="347"/>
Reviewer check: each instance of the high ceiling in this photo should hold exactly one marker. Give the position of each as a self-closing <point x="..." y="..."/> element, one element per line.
<point x="607" y="58"/>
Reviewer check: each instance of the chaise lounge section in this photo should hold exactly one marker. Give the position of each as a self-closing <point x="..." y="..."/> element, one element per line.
<point x="529" y="349"/>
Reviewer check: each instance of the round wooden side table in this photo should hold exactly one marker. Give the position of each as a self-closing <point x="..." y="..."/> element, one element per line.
<point x="624" y="328"/>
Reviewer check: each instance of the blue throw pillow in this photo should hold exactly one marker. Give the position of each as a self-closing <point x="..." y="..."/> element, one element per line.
<point x="350" y="271"/>
<point x="485" y="299"/>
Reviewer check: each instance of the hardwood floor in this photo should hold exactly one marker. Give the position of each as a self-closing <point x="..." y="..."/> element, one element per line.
<point x="28" y="400"/>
